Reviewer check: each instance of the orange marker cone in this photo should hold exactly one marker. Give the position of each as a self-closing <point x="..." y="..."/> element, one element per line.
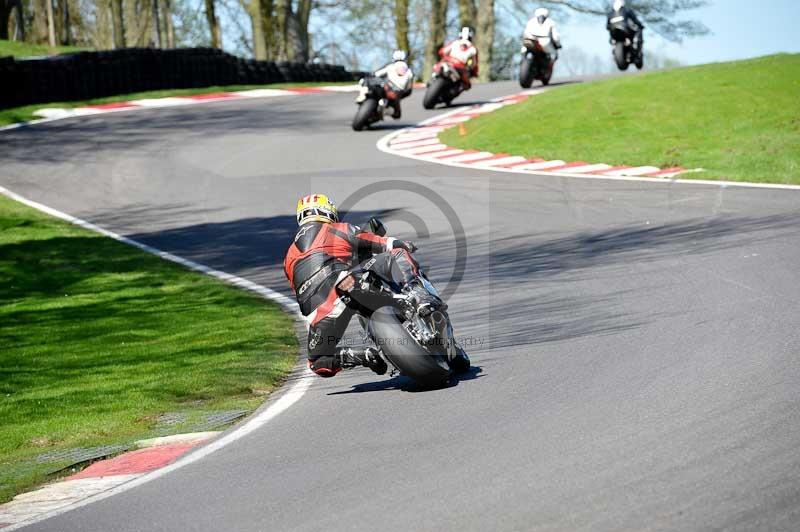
<point x="462" y="130"/>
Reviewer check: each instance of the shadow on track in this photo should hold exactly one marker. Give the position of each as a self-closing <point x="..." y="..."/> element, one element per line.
<point x="517" y="289"/>
<point x="403" y="383"/>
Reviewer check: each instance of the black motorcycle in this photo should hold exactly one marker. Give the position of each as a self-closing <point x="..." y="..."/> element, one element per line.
<point x="535" y="64"/>
<point x="421" y="347"/>
<point x="625" y="49"/>
<point x="371" y="100"/>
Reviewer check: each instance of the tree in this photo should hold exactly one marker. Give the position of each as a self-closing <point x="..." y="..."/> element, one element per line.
<point x="51" y="27"/>
<point x="156" y="24"/>
<point x="401" y="26"/>
<point x="6" y="8"/>
<point x="118" y="22"/>
<point x="466" y="13"/>
<point x="484" y="38"/>
<point x="213" y="24"/>
<point x="436" y="34"/>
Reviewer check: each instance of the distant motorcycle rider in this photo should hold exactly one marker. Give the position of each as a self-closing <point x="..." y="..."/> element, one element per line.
<point x="463" y="54"/>
<point x="623" y="18"/>
<point x="541" y="28"/>
<point x="321" y="256"/>
<point x="399" y="81"/>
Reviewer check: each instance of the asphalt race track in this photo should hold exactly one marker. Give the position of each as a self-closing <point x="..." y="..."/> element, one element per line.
<point x="635" y="344"/>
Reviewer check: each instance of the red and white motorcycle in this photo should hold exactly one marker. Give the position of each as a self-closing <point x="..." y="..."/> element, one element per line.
<point x="447" y="82"/>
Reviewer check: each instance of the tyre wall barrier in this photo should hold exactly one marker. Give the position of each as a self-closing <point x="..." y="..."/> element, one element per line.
<point x="87" y="75"/>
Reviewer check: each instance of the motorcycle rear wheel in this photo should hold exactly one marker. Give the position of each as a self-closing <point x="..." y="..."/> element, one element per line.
<point x="365" y="111"/>
<point x="639" y="62"/>
<point x="402" y="350"/>
<point x="433" y="94"/>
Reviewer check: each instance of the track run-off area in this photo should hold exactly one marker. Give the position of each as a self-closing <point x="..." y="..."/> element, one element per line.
<point x="634" y="343"/>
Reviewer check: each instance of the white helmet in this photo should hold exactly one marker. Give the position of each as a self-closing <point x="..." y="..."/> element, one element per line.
<point x="466" y="33"/>
<point x="541" y="14"/>
<point x="399" y="55"/>
<point x="619" y="4"/>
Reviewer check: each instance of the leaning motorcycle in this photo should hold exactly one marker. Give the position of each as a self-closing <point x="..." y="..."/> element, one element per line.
<point x="624" y="49"/>
<point x="445" y="83"/>
<point x="535" y="63"/>
<point x="421" y="347"/>
<point x="372" y="100"/>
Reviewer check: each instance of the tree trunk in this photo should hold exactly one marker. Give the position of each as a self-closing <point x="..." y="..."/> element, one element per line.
<point x="466" y="13"/>
<point x="484" y="37"/>
<point x="156" y="24"/>
<point x="280" y="44"/>
<point x="118" y="22"/>
<point x="19" y="29"/>
<point x="40" y="21"/>
<point x="213" y="24"/>
<point x="436" y="35"/>
<point x="51" y="27"/>
<point x="303" y="53"/>
<point x="401" y="26"/>
<point x="253" y="9"/>
<point x="267" y="18"/>
<point x="6" y="8"/>
<point x="5" y="15"/>
<point x="169" y="27"/>
<point x="66" y="38"/>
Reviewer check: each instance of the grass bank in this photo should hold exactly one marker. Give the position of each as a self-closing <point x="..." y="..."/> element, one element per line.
<point x="24" y="49"/>
<point x="102" y="344"/>
<point x="740" y="121"/>
<point x="26" y="113"/>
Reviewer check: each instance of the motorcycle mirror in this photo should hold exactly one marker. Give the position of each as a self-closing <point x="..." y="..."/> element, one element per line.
<point x="377" y="227"/>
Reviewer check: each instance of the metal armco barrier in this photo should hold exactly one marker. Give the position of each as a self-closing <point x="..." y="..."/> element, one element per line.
<point x="87" y="75"/>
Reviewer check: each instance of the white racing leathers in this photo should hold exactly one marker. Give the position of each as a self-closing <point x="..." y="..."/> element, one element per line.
<point x="399" y="76"/>
<point x="546" y="34"/>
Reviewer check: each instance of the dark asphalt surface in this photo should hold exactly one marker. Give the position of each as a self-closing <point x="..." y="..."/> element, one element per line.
<point x="636" y="345"/>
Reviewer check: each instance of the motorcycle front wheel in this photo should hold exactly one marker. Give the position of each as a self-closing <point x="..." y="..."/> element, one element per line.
<point x="620" y="57"/>
<point x="433" y="94"/>
<point x="526" y="73"/>
<point x="405" y="353"/>
<point x="365" y="111"/>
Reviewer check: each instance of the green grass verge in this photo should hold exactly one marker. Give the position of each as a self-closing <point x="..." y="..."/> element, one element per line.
<point x="740" y="121"/>
<point x="24" y="49"/>
<point x="98" y="339"/>
<point x="25" y="113"/>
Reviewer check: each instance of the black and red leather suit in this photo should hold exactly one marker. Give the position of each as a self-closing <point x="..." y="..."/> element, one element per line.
<point x="316" y="261"/>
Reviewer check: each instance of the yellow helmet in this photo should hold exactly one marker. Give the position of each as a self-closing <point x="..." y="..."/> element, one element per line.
<point x="316" y="208"/>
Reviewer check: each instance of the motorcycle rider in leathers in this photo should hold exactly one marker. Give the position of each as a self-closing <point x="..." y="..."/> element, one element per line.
<point x="399" y="81"/>
<point x="463" y="55"/>
<point x="542" y="28"/>
<point x="625" y="17"/>
<point x="321" y="256"/>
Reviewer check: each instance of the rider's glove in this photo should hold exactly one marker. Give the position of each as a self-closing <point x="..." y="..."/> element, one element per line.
<point x="404" y="244"/>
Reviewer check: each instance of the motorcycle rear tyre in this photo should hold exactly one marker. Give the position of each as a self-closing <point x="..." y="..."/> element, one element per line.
<point x="403" y="351"/>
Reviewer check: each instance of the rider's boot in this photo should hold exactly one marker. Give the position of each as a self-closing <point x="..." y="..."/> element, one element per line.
<point x="460" y="362"/>
<point x="396" y="111"/>
<point x="368" y="357"/>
